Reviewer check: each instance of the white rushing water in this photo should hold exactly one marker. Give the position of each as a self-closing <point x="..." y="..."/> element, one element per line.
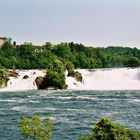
<point x="99" y="79"/>
<point x="19" y="83"/>
<point x="107" y="79"/>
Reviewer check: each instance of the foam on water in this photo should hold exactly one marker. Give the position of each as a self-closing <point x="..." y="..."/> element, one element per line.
<point x="15" y="84"/>
<point x="97" y="79"/>
<point x="108" y="79"/>
<point x="21" y="108"/>
<point x="72" y="114"/>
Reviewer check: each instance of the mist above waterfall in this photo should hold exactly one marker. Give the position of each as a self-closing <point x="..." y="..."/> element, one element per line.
<point x="108" y="79"/>
<point x="96" y="79"/>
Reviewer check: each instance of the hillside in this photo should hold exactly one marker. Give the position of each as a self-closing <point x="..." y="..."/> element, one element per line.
<point x="29" y="56"/>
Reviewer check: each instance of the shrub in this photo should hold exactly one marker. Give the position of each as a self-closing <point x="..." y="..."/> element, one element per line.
<point x="35" y="128"/>
<point x="55" y="75"/>
<point x="107" y="130"/>
<point x="132" y="62"/>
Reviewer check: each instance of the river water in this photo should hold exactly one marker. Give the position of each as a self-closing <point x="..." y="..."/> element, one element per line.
<point x="72" y="112"/>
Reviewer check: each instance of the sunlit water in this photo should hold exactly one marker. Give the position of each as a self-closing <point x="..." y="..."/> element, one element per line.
<point x="72" y="112"/>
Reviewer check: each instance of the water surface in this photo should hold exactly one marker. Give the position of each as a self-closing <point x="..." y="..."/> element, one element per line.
<point x="72" y="112"/>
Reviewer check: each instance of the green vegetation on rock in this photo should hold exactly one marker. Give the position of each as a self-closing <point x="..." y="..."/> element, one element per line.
<point x="54" y="78"/>
<point x="3" y="77"/>
<point x="107" y="130"/>
<point x="55" y="75"/>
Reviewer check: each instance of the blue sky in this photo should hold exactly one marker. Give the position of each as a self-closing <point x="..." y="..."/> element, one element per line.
<point x="91" y="22"/>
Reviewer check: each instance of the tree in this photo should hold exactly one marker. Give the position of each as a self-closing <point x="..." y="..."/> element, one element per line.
<point x="7" y="48"/>
<point x="55" y="75"/>
<point x="48" y="45"/>
<point x="69" y="66"/>
<point x="132" y="62"/>
<point x="107" y="130"/>
<point x="35" y="128"/>
<point x="62" y="50"/>
<point x="26" y="50"/>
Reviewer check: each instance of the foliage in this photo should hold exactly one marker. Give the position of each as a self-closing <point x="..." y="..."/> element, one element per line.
<point x="48" y="45"/>
<point x="69" y="66"/>
<point x="71" y="54"/>
<point x="35" y="128"/>
<point x="107" y="130"/>
<point x="2" y="71"/>
<point x="55" y="75"/>
<point x="132" y="62"/>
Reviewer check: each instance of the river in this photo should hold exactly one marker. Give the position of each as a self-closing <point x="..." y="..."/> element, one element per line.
<point x="73" y="112"/>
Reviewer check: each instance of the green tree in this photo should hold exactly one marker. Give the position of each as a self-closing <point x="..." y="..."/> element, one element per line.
<point x="132" y="62"/>
<point x="69" y="66"/>
<point x="26" y="50"/>
<point x="7" y="48"/>
<point x="107" y="130"/>
<point x="55" y="75"/>
<point x="25" y="57"/>
<point x="48" y="45"/>
<point x="35" y="128"/>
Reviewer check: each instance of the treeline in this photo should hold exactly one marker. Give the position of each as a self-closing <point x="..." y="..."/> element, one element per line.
<point x="28" y="56"/>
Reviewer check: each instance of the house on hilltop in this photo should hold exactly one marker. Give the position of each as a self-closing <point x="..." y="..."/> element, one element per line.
<point x="37" y="48"/>
<point x="2" y="40"/>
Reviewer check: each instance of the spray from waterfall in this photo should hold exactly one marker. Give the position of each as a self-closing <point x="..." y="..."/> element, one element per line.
<point x="98" y="79"/>
<point x="107" y="79"/>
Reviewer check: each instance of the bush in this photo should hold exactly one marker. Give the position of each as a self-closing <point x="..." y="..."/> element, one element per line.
<point x="55" y="75"/>
<point x="132" y="62"/>
<point x="107" y="130"/>
<point x="69" y="66"/>
<point x="55" y="79"/>
<point x="35" y="128"/>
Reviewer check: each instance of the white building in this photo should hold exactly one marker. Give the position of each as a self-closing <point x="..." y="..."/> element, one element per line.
<point x="2" y="40"/>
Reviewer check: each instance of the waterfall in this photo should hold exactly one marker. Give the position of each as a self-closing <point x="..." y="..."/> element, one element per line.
<point x="96" y="79"/>
<point x="107" y="79"/>
<point x="19" y="83"/>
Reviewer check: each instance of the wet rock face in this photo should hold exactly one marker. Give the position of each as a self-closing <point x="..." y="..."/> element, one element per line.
<point x="40" y="82"/>
<point x="65" y="86"/>
<point x="25" y="77"/>
<point x="4" y="76"/>
<point x="71" y="73"/>
<point x="11" y="74"/>
<point x="3" y="82"/>
<point x="77" y="75"/>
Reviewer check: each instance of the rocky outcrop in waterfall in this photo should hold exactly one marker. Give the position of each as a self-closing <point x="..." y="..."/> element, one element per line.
<point x="25" y="77"/>
<point x="40" y="82"/>
<point x="4" y="76"/>
<point x="76" y="74"/>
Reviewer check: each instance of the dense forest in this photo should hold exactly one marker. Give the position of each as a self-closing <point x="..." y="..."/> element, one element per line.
<point x="29" y="56"/>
